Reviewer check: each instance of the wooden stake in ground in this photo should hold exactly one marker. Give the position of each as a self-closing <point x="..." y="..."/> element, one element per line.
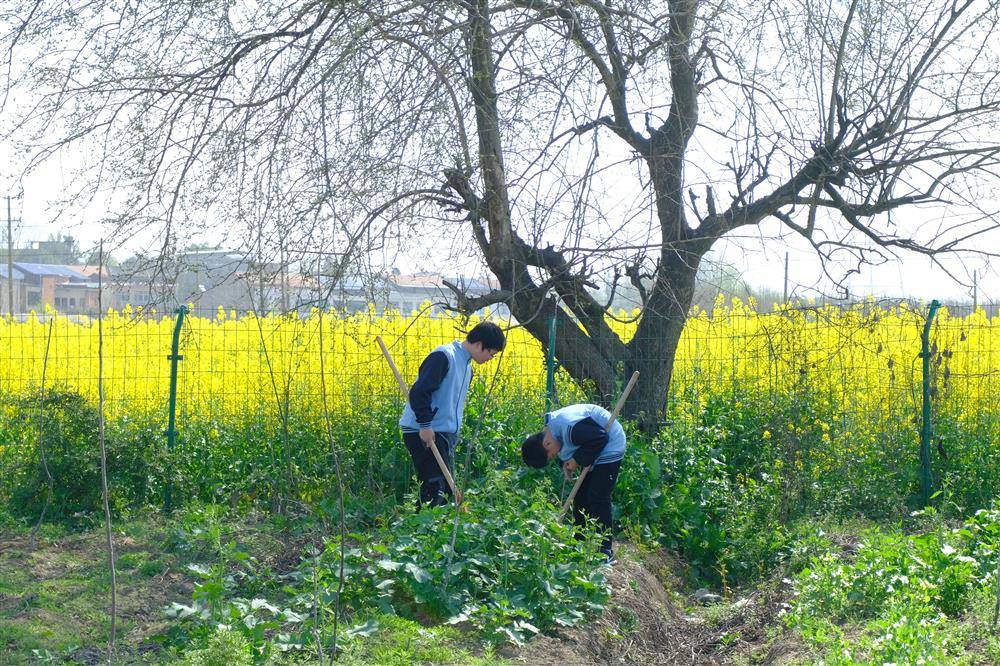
<point x="996" y="609"/>
<point x="104" y="454"/>
<point x="41" y="438"/>
<point x="434" y="449"/>
<point x="607" y="428"/>
<point x="340" y="488"/>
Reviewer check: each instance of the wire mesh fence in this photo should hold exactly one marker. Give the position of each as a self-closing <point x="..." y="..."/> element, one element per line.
<point x="235" y="361"/>
<point x="834" y="387"/>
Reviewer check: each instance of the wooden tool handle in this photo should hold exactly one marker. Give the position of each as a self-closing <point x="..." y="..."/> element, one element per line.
<point x="392" y="365"/>
<point x="621" y="401"/>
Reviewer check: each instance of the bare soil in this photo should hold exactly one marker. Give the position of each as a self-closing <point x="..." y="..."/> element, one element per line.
<point x="652" y="619"/>
<point x="62" y="578"/>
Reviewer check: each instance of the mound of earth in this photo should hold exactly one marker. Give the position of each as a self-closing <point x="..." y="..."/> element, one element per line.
<point x="652" y="618"/>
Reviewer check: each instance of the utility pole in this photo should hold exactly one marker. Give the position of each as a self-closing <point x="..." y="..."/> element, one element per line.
<point x="786" y="278"/>
<point x="283" y="275"/>
<point x="260" y="270"/>
<point x="975" y="289"/>
<point x="10" y="261"/>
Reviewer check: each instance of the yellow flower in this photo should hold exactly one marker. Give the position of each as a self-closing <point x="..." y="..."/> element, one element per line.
<point x="842" y="361"/>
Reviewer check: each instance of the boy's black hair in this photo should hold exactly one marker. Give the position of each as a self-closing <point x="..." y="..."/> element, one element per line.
<point x="489" y="334"/>
<point x="533" y="452"/>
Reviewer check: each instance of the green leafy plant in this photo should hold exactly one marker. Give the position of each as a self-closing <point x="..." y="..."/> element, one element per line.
<point x="512" y="570"/>
<point x="904" y="591"/>
<point x="224" y="647"/>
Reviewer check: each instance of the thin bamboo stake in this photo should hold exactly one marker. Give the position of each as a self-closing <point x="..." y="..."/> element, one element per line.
<point x="996" y="609"/>
<point x="104" y="454"/>
<point x="278" y="502"/>
<point x="607" y="428"/>
<point x="340" y="485"/>
<point x="433" y="447"/>
<point x="317" y="615"/>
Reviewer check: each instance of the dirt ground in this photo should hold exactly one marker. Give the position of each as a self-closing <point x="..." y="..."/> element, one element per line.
<point x="64" y="577"/>
<point x="653" y="619"/>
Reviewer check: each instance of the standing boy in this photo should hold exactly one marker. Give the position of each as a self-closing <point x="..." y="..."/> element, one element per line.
<point x="576" y="435"/>
<point x="436" y="403"/>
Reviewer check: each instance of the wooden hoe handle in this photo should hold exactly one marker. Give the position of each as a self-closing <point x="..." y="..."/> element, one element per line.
<point x="434" y="449"/>
<point x="607" y="428"/>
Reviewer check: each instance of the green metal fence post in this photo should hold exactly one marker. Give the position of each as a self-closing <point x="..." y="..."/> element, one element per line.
<point x="171" y="433"/>
<point x="925" y="429"/>
<point x="550" y="367"/>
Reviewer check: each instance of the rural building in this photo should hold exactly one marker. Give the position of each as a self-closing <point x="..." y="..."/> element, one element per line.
<point x="20" y="296"/>
<point x="213" y="279"/>
<point x="405" y="293"/>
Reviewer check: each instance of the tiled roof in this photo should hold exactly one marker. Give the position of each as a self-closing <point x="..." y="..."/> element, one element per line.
<point x="88" y="271"/>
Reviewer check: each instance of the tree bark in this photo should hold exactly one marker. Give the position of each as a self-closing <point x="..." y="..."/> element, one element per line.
<point x="586" y="346"/>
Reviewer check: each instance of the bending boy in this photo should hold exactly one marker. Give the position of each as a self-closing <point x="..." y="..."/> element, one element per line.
<point x="436" y="404"/>
<point x="576" y="435"/>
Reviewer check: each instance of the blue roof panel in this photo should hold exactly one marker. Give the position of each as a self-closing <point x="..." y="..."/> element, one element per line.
<point x="18" y="275"/>
<point x="49" y="269"/>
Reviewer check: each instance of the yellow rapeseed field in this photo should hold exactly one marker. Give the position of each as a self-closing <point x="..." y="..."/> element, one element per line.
<point x="862" y="359"/>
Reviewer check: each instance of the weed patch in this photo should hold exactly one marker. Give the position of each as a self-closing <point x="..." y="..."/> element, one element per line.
<point x="901" y="596"/>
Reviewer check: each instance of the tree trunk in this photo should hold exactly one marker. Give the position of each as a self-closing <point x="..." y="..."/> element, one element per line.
<point x="654" y="347"/>
<point x="586" y="346"/>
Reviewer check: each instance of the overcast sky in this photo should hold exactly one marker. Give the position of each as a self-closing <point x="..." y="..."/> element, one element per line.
<point x="754" y="252"/>
<point x="759" y="257"/>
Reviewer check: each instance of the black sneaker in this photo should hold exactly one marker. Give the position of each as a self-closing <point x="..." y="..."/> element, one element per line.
<point x="609" y="555"/>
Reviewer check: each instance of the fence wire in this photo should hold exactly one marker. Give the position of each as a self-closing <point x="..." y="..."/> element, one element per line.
<point x="830" y="369"/>
<point x="865" y="359"/>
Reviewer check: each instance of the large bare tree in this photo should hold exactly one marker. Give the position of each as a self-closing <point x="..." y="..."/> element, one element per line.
<point x="570" y="141"/>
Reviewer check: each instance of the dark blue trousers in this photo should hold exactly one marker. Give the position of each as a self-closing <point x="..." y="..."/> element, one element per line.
<point x="434" y="488"/>
<point x="593" y="500"/>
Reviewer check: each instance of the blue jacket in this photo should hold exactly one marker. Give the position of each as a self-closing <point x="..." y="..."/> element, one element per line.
<point x="438" y="395"/>
<point x="562" y="421"/>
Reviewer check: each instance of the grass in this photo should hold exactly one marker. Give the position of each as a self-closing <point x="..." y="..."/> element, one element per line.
<point x="55" y="598"/>
<point x="401" y="642"/>
<point x="986" y="638"/>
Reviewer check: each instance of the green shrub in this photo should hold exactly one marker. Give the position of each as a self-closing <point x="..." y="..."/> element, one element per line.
<point x="889" y="571"/>
<point x="725" y="523"/>
<point x="70" y="437"/>
<point x="389" y="640"/>
<point x="904" y="591"/>
<point x="514" y="571"/>
<point x="908" y="638"/>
